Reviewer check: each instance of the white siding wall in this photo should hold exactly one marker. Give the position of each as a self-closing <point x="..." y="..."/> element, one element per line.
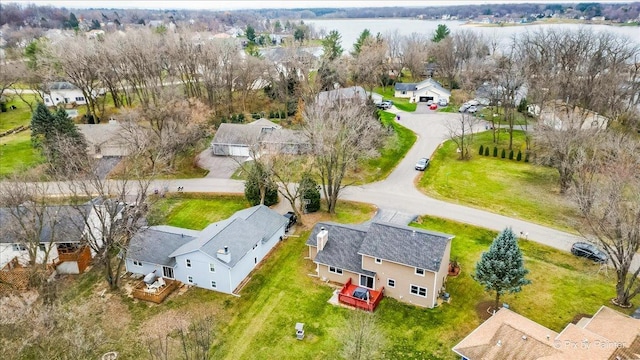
<point x="145" y="269"/>
<point x="7" y="253"/>
<point x="200" y="272"/>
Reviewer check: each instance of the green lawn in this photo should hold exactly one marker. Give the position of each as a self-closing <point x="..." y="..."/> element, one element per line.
<point x="401" y="103"/>
<point x="16" y="154"/>
<point x="14" y="118"/>
<point x="259" y="324"/>
<point x="507" y="187"/>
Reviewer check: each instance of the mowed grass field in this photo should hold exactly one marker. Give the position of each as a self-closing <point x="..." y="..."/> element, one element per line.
<point x="20" y="116"/>
<point x="17" y="154"/>
<point x="259" y="324"/>
<point x="508" y="187"/>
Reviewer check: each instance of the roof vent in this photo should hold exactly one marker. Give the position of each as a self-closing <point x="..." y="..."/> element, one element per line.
<point x="499" y="343"/>
<point x="224" y="254"/>
<point x="524" y="337"/>
<point x="414" y="233"/>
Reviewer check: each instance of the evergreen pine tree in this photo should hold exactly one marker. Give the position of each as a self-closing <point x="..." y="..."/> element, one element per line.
<point x="486" y="151"/>
<point x="481" y="151"/>
<point x="495" y="151"/>
<point x="501" y="269"/>
<point x="258" y="179"/>
<point x="526" y="158"/>
<point x="41" y="125"/>
<point x="503" y="154"/>
<point x="309" y="191"/>
<point x="519" y="156"/>
<point x="510" y="154"/>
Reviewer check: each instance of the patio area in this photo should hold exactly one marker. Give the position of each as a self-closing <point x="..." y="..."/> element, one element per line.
<point x="154" y="294"/>
<point x="358" y="297"/>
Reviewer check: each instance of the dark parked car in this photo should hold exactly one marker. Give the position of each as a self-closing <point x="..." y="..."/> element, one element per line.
<point x="422" y="164"/>
<point x="589" y="251"/>
<point x="292" y="219"/>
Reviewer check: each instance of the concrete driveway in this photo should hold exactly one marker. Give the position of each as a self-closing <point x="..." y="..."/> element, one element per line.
<point x="220" y="167"/>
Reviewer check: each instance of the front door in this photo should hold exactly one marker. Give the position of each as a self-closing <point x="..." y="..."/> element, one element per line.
<point x="167" y="272"/>
<point x="366" y="281"/>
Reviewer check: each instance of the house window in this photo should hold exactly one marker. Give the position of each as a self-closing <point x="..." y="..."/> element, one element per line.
<point x="188" y="262"/>
<point x="212" y="267"/>
<point x="404" y="93"/>
<point x="418" y="290"/>
<point x="47" y="100"/>
<point x="190" y="279"/>
<point x="80" y="98"/>
<point x="420" y="271"/>
<point x="391" y="283"/>
<point x="42" y="247"/>
<point x="18" y="247"/>
<point x="335" y="270"/>
<point x="213" y="284"/>
<point x="366" y="281"/>
<point x="378" y="261"/>
<point x="137" y="263"/>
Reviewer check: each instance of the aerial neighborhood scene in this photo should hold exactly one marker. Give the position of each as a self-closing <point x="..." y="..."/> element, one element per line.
<point x="319" y="180"/>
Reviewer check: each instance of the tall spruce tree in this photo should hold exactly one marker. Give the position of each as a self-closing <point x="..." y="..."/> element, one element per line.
<point x="41" y="125"/>
<point x="501" y="269"/>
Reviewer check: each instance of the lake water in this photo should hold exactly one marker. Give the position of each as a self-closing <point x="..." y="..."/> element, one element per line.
<point x="350" y="29"/>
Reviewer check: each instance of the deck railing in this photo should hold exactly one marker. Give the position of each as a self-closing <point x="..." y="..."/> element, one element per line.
<point x="154" y="295"/>
<point x="345" y="296"/>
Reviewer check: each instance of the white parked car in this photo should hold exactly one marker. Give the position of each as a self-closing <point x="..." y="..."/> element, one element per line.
<point x="442" y="102"/>
<point x="472" y="109"/>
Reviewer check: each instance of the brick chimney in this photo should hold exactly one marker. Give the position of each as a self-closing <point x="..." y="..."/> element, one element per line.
<point x="224" y="254"/>
<point x="322" y="238"/>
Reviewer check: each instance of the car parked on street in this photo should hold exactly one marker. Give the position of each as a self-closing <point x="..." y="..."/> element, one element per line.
<point x="384" y="105"/>
<point x="589" y="251"/>
<point x="422" y="164"/>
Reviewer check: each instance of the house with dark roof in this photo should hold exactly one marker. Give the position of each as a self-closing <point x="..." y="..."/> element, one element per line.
<point x="508" y="335"/>
<point x="52" y="234"/>
<point x="411" y="264"/>
<point x="217" y="258"/>
<point x="262" y="135"/>
<point x="423" y="91"/>
<point x="353" y="93"/>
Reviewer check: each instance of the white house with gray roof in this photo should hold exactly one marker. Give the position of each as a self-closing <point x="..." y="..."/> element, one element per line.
<point x="411" y="264"/>
<point x="217" y="258"/>
<point x="62" y="92"/>
<point x="423" y="91"/>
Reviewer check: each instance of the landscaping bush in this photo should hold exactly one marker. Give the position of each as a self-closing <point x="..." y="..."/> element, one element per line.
<point x="481" y="151"/>
<point x="486" y="151"/>
<point x="503" y="154"/>
<point x="495" y="151"/>
<point x="241" y="118"/>
<point x="255" y="116"/>
<point x="309" y="191"/>
<point x="526" y="158"/>
<point x="510" y="154"/>
<point x="519" y="156"/>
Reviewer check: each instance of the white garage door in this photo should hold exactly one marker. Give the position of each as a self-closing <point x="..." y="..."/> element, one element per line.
<point x="239" y="150"/>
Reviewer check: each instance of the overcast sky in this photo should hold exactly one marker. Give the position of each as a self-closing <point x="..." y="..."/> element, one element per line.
<point x="265" y="4"/>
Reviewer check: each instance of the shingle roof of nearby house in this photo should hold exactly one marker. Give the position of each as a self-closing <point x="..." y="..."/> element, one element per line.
<point x="239" y="233"/>
<point x="400" y="244"/>
<point x="155" y="244"/>
<point x="264" y="123"/>
<point x="507" y="335"/>
<point x="341" y="250"/>
<point x="237" y="134"/>
<point x="405" y="86"/>
<point x="68" y="227"/>
<point x="405" y="245"/>
<point x="61" y="85"/>
<point x="349" y="93"/>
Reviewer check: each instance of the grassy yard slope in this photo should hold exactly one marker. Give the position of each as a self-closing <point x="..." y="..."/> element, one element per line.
<point x="393" y="151"/>
<point x="508" y="187"/>
<point x="401" y="103"/>
<point x="14" y="118"/>
<point x="260" y="323"/>
<point x="16" y="154"/>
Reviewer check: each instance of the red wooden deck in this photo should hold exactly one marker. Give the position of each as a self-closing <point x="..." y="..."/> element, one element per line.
<point x="345" y="297"/>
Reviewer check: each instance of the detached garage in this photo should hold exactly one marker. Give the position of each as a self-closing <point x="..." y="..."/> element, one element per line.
<point x="238" y="139"/>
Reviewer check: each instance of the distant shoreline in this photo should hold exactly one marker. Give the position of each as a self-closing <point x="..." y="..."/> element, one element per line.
<point x="551" y="22"/>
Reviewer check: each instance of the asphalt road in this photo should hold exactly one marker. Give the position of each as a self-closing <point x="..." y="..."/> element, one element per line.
<point x="397" y="191"/>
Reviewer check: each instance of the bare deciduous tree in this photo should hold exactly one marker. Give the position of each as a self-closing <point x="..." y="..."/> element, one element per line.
<point x="415" y="54"/>
<point x="606" y="188"/>
<point x="362" y="339"/>
<point x="341" y="134"/>
<point x="461" y="132"/>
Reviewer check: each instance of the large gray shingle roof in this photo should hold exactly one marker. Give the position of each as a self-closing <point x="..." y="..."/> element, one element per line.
<point x="155" y="244"/>
<point x="356" y="93"/>
<point x="342" y="247"/>
<point x="405" y="86"/>
<point x="397" y="243"/>
<point x="240" y="233"/>
<point x="405" y="245"/>
<point x="60" y="224"/>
